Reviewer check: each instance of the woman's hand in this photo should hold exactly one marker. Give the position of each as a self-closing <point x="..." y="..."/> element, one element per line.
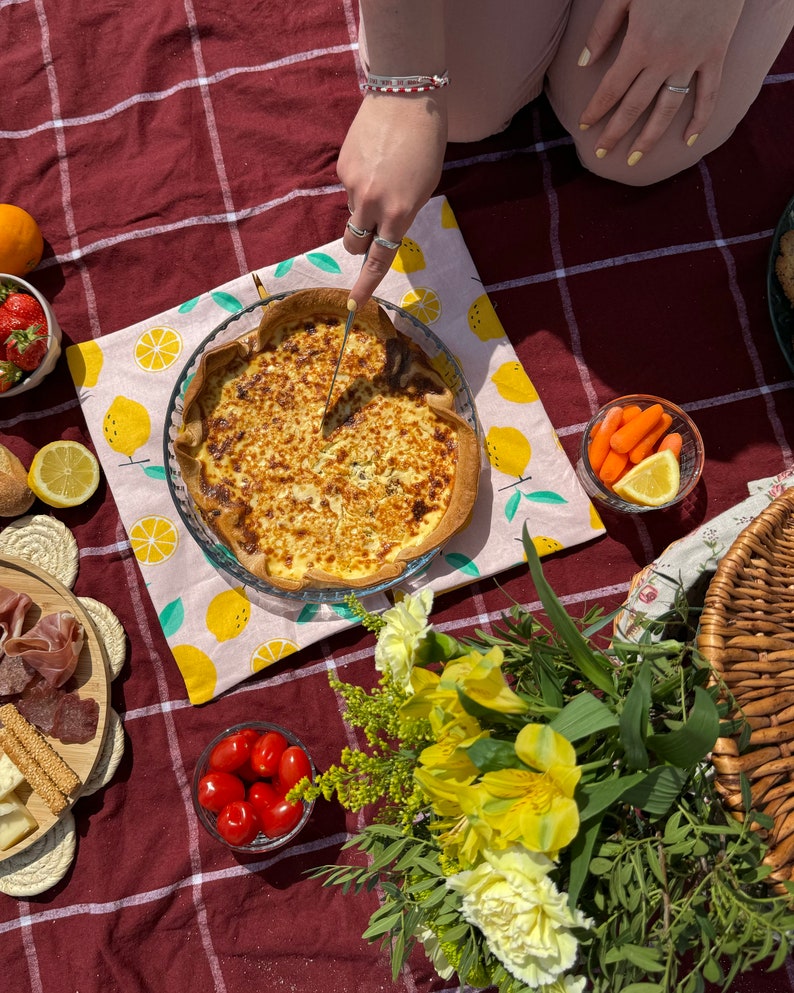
<point x="679" y="43"/>
<point x="390" y="164"/>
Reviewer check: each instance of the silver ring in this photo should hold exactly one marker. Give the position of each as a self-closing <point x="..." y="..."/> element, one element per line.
<point x="678" y="89"/>
<point x="358" y="232"/>
<point x="349" y="207"/>
<point x="385" y="243"/>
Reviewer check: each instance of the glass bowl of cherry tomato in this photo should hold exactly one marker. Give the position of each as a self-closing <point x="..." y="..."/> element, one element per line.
<point x="241" y="782"/>
<point x="30" y="336"/>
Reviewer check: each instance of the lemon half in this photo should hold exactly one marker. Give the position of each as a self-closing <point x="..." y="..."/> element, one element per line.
<point x="64" y="474"/>
<point x="652" y="482"/>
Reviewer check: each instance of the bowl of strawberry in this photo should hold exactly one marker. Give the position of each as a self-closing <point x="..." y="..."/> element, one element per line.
<point x="30" y="336"/>
<point x="241" y="783"/>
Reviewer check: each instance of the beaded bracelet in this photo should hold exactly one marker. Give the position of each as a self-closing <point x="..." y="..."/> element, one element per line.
<point x="404" y="84"/>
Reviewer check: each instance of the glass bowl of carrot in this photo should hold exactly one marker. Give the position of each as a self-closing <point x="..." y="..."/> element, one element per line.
<point x="640" y="453"/>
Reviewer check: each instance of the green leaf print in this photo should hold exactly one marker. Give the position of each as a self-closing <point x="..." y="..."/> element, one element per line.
<point x="512" y="505"/>
<point x="344" y="611"/>
<point x="227" y="301"/>
<point x="283" y="268"/>
<point x="324" y="262"/>
<point x="545" y="496"/>
<point x="188" y="305"/>
<point x="154" y="471"/>
<point x="172" y="617"/>
<point x="462" y="563"/>
<point x="307" y="614"/>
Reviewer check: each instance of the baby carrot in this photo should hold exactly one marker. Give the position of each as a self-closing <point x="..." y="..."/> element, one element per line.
<point x="599" y="446"/>
<point x="673" y="441"/>
<point x="630" y="412"/>
<point x="612" y="467"/>
<point x="626" y="437"/>
<point x="644" y="448"/>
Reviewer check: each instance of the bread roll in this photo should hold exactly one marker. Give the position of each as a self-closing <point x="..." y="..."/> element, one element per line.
<point x="16" y="496"/>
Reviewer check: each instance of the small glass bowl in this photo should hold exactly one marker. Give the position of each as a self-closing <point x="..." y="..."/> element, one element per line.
<point x="261" y="842"/>
<point x="32" y="379"/>
<point x="691" y="460"/>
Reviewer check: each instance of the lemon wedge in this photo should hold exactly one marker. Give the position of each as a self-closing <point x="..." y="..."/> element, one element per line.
<point x="652" y="482"/>
<point x="63" y="474"/>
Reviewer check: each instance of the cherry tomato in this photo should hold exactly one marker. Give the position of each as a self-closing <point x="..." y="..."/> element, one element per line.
<point x="261" y="795"/>
<point x="230" y="753"/>
<point x="280" y="818"/>
<point x="266" y="753"/>
<point x="217" y="789"/>
<point x="293" y="766"/>
<point x="238" y="823"/>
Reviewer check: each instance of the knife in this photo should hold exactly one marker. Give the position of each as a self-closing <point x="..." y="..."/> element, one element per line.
<point x="351" y="313"/>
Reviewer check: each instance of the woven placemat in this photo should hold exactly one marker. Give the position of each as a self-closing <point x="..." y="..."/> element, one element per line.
<point x="747" y="634"/>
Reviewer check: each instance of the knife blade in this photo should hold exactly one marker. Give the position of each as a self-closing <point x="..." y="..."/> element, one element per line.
<point x="351" y="313"/>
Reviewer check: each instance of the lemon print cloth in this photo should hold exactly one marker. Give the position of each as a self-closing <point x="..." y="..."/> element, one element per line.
<point x="222" y="631"/>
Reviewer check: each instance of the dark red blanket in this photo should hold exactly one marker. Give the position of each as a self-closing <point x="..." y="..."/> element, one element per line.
<point x="167" y="147"/>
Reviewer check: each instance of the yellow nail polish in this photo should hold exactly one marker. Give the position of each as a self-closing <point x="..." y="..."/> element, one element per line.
<point x="583" y="127"/>
<point x="634" y="158"/>
<point x="692" y="139"/>
<point x="600" y="153"/>
<point x="584" y="58"/>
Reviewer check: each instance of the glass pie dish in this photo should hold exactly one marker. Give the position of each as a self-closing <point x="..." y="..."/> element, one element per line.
<point x="218" y="554"/>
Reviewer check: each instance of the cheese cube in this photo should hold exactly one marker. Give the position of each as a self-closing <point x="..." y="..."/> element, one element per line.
<point x="16" y="821"/>
<point x="10" y="776"/>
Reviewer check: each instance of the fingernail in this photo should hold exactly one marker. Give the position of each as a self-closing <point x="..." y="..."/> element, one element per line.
<point x="583" y="127"/>
<point x="634" y="158"/>
<point x="600" y="153"/>
<point x="584" y="58"/>
<point x="692" y="139"/>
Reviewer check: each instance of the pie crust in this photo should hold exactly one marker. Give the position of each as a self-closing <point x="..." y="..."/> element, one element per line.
<point x="348" y="501"/>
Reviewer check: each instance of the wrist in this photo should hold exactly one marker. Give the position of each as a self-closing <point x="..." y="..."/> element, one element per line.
<point x="404" y="84"/>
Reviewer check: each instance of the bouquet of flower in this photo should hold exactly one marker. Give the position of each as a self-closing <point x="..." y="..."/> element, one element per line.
<point x="544" y="813"/>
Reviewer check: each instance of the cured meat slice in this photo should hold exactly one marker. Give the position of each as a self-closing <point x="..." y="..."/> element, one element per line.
<point x="75" y="720"/>
<point x="52" y="646"/>
<point x="38" y="704"/>
<point x="15" y="675"/>
<point x="13" y="608"/>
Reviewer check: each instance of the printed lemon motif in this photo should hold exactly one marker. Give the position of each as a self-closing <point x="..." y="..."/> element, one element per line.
<point x="448" y="219"/>
<point x="595" y="521"/>
<point x="409" y="257"/>
<point x="85" y="363"/>
<point x="483" y="320"/>
<point x="423" y="303"/>
<point x="126" y="426"/>
<point x="153" y="539"/>
<point x="513" y="383"/>
<point x="198" y="671"/>
<point x="545" y="546"/>
<point x="157" y="349"/>
<point x="508" y="450"/>
<point x="228" y="613"/>
<point x="270" y="652"/>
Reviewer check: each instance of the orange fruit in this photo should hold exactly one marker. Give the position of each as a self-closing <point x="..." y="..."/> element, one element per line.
<point x="21" y="243"/>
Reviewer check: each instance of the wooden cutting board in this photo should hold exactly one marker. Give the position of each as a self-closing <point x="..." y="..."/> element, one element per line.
<point x="91" y="679"/>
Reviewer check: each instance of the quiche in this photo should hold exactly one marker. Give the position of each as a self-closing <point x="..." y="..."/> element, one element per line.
<point x="346" y="500"/>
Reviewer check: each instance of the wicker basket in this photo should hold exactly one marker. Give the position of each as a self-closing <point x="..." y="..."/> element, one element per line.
<point x="747" y="634"/>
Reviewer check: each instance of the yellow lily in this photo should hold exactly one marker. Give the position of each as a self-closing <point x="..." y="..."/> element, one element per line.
<point x="481" y="678"/>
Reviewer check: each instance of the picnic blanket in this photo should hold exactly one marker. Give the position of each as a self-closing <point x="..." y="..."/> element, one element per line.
<point x="170" y="149"/>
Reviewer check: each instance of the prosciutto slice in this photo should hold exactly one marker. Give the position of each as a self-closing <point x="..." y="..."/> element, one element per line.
<point x="13" y="608"/>
<point x="52" y="646"/>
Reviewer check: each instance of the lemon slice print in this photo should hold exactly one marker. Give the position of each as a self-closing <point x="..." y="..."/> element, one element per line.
<point x="271" y="651"/>
<point x="126" y="426"/>
<point x="483" y="320"/>
<point x="153" y="539"/>
<point x="85" y="362"/>
<point x="198" y="671"/>
<point x="652" y="482"/>
<point x="157" y="349"/>
<point x="448" y="219"/>
<point x="508" y="450"/>
<point x="423" y="303"/>
<point x="545" y="545"/>
<point x="228" y="613"/>
<point x="513" y="383"/>
<point x="64" y="474"/>
<point x="409" y="257"/>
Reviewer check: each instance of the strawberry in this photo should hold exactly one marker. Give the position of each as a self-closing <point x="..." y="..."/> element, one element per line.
<point x="24" y="308"/>
<point x="10" y="375"/>
<point x="26" y="347"/>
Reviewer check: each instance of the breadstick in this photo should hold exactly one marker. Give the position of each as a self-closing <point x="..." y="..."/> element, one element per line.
<point x="33" y="773"/>
<point x="40" y="750"/>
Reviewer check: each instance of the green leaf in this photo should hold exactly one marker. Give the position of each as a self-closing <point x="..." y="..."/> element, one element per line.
<point x="227" y="301"/>
<point x="593" y="799"/>
<point x="594" y="666"/>
<point x="644" y="958"/>
<point x="307" y="613"/>
<point x="154" y="471"/>
<point x="686" y="746"/>
<point x="583" y="716"/>
<point x="634" y="718"/>
<point x="188" y="305"/>
<point x="172" y="617"/>
<point x="462" y="563"/>
<point x="283" y="268"/>
<point x="489" y="754"/>
<point x="324" y="262"/>
<point x="512" y="505"/>
<point x="545" y="496"/>
<point x="658" y="790"/>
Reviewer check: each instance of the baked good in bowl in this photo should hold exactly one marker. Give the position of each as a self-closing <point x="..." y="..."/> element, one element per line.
<point x="345" y="502"/>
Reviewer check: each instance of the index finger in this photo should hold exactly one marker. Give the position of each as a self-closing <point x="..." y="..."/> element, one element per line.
<point x="376" y="264"/>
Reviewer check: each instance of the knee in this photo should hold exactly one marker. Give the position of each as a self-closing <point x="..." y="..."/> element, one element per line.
<point x="666" y="160"/>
